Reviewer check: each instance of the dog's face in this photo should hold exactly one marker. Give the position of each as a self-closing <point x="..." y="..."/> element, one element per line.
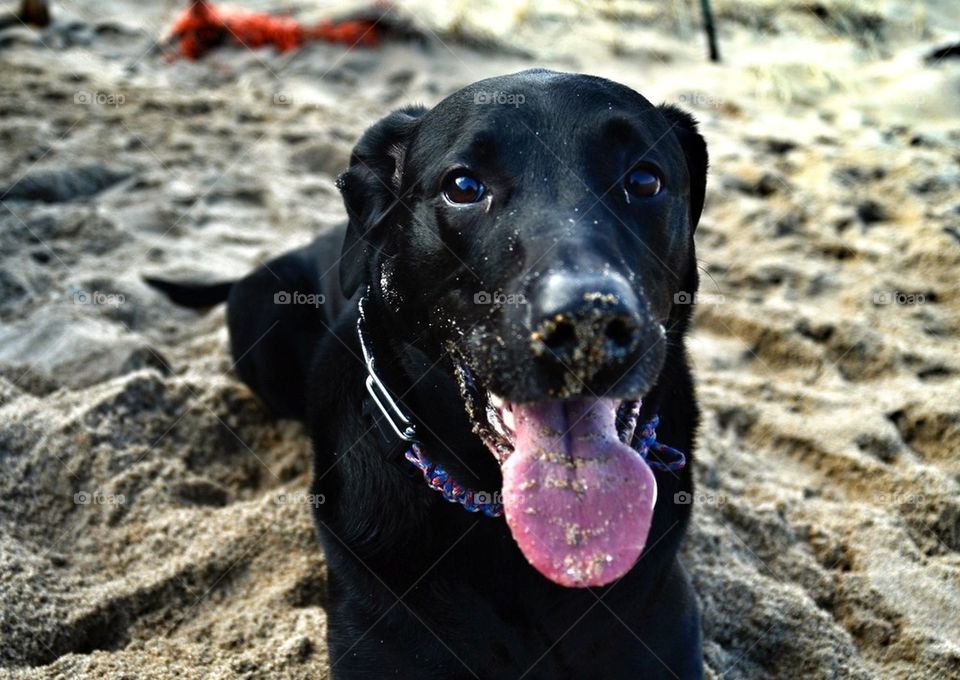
<point x="538" y="228"/>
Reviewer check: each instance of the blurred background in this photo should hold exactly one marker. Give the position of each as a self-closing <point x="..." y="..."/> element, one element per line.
<point x="154" y="520"/>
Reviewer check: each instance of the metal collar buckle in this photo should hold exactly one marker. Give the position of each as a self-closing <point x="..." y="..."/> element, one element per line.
<point x="399" y="422"/>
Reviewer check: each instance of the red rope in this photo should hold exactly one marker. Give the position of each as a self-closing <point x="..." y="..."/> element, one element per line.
<point x="202" y="26"/>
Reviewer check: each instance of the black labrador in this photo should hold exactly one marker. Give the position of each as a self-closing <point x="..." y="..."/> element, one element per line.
<point x="490" y="359"/>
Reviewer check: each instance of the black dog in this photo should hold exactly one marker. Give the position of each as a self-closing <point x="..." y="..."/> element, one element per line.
<point x="520" y="260"/>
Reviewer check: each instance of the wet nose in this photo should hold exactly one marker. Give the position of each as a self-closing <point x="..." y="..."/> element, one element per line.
<point x="588" y="320"/>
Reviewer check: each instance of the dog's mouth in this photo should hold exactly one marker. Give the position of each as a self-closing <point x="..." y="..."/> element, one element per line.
<point x="577" y="497"/>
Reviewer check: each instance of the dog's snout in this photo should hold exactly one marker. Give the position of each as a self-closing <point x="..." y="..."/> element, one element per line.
<point x="582" y="320"/>
<point x="569" y="336"/>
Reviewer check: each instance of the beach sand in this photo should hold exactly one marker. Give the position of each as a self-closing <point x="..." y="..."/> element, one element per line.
<point x="153" y="519"/>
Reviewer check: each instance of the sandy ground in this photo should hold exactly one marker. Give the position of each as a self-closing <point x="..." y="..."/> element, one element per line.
<point x="153" y="521"/>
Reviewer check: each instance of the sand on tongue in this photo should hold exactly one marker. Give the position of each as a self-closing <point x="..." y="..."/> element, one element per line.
<point x="578" y="501"/>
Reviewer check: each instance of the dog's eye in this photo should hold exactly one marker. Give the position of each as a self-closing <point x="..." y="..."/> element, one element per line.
<point x="462" y="188"/>
<point x="643" y="182"/>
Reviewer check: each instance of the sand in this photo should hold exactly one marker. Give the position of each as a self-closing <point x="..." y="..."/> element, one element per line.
<point x="153" y="519"/>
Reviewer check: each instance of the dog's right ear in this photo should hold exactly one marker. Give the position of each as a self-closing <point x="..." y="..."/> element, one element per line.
<point x="694" y="147"/>
<point x="371" y="191"/>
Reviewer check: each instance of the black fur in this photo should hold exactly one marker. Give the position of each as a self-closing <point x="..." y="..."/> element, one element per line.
<point x="417" y="587"/>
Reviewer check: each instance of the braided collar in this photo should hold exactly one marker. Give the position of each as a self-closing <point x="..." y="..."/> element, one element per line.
<point x="664" y="457"/>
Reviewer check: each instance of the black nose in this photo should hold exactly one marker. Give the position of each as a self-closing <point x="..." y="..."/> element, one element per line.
<point x="587" y="322"/>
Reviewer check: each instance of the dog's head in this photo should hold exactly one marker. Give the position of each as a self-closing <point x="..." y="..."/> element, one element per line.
<point x="537" y="230"/>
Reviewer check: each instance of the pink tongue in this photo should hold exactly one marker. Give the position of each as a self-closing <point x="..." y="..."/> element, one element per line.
<point x="577" y="500"/>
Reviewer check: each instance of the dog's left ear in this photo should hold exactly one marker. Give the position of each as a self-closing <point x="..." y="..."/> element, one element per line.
<point x="695" y="149"/>
<point x="371" y="191"/>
